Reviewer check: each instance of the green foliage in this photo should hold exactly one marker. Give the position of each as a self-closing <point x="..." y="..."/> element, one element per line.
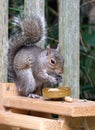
<point x="87" y="61"/>
<point x="15" y="7"/>
<point x="52" y="22"/>
<point x="15" y="14"/>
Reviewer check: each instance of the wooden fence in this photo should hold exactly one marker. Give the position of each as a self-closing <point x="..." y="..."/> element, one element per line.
<point x="15" y="110"/>
<point x="68" y="37"/>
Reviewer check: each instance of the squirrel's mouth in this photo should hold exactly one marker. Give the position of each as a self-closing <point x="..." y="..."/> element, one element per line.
<point x="59" y="78"/>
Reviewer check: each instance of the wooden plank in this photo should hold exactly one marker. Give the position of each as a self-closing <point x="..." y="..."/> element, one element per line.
<point x="35" y="7"/>
<point x="78" y="108"/>
<point x="69" y="39"/>
<point x="3" y="39"/>
<point x="29" y="122"/>
<point x="7" y="89"/>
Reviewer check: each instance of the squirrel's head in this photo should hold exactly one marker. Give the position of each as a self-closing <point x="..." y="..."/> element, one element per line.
<point x="54" y="60"/>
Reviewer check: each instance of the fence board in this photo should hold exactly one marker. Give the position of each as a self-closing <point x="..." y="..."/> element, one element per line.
<point x="34" y="7"/>
<point x="69" y="39"/>
<point x="3" y="39"/>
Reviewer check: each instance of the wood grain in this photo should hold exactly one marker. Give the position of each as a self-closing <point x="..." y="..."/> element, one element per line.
<point x="36" y="8"/>
<point x="69" y="39"/>
<point x="29" y="122"/>
<point x="77" y="108"/>
<point x="3" y="39"/>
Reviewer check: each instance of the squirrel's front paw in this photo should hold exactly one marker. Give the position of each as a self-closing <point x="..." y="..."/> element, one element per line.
<point x="52" y="80"/>
<point x="56" y="79"/>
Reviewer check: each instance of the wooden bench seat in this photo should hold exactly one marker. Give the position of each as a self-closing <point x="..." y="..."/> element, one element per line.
<point x="14" y="111"/>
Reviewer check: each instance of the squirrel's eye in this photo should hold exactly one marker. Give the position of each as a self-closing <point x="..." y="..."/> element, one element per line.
<point x="53" y="61"/>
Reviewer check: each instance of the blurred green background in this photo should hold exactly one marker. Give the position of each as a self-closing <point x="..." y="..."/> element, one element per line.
<point x="87" y="37"/>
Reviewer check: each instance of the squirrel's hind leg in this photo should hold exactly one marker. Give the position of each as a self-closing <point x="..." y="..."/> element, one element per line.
<point x="25" y="81"/>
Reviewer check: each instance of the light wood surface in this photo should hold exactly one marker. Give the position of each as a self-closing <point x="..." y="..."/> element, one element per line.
<point x="29" y="122"/>
<point x="77" y="108"/>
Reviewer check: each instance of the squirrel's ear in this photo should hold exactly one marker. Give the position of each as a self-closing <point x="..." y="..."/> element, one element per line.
<point x="48" y="50"/>
<point x="58" y="48"/>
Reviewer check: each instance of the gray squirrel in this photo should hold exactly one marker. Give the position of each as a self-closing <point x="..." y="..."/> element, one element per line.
<point x="30" y="66"/>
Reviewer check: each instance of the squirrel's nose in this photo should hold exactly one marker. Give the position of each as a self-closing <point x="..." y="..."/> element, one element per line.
<point x="60" y="71"/>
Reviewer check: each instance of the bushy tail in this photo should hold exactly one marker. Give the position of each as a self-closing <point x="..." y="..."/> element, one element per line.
<point x="33" y="31"/>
